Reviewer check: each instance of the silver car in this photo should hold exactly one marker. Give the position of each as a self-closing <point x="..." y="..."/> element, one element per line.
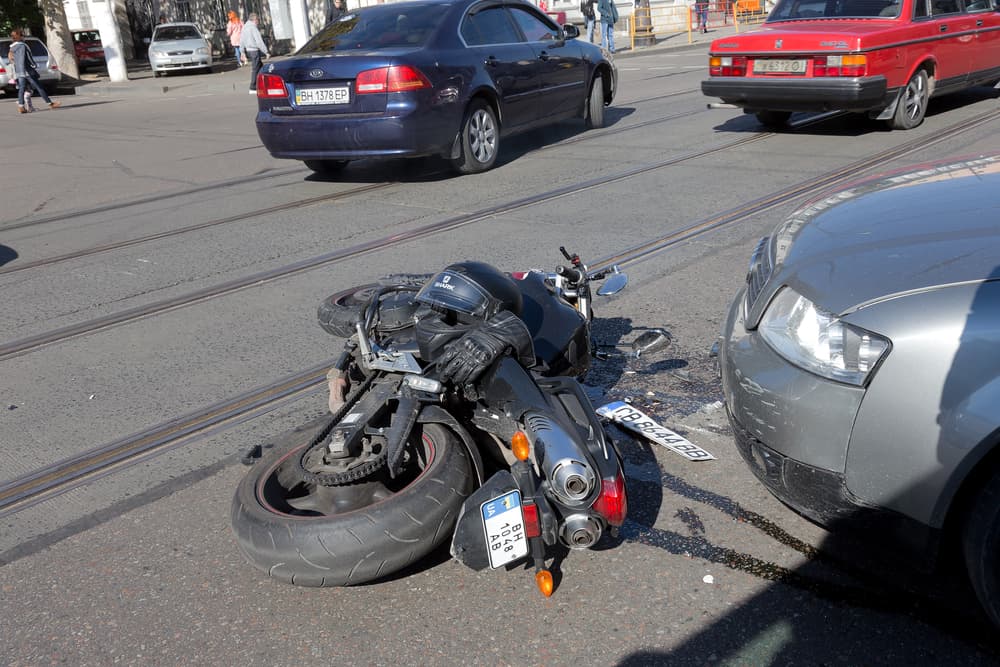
<point x="48" y="72"/>
<point x="179" y="46"/>
<point x="861" y="363"/>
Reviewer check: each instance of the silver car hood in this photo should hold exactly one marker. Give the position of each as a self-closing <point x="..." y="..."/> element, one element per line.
<point x="888" y="236"/>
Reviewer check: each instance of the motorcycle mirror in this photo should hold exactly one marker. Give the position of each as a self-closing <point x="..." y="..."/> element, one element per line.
<point x="651" y="341"/>
<point x="615" y="283"/>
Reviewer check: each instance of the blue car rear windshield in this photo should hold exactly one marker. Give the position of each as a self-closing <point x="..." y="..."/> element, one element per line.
<point x="379" y="27"/>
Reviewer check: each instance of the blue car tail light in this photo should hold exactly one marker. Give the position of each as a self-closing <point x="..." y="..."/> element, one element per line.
<point x="395" y="79"/>
<point x="271" y="86"/>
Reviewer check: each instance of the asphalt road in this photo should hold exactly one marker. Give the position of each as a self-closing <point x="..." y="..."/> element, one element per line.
<point x="141" y="568"/>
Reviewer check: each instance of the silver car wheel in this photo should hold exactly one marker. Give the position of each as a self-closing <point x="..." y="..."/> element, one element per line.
<point x="912" y="105"/>
<point x="482" y="136"/>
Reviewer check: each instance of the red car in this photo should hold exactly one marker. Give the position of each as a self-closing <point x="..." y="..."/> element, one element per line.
<point x="880" y="57"/>
<point x="89" y="50"/>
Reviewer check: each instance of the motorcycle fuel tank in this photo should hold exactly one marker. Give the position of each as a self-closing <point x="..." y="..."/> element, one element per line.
<point x="559" y="332"/>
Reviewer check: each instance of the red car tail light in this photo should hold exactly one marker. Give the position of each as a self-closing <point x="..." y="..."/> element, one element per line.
<point x="395" y="79"/>
<point x="271" y="86"/>
<point x="850" y="65"/>
<point x="612" y="503"/>
<point x="727" y="66"/>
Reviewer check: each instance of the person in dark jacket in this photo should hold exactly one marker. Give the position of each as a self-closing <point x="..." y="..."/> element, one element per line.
<point x="587" y="9"/>
<point x="334" y="10"/>
<point x="609" y="17"/>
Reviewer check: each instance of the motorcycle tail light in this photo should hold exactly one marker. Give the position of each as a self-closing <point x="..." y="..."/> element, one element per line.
<point x="271" y="86"/>
<point x="532" y="527"/>
<point x="612" y="503"/>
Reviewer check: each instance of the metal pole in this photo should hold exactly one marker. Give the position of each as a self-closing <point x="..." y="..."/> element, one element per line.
<point x="111" y="39"/>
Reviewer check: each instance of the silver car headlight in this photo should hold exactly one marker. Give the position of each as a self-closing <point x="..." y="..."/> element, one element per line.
<point x="817" y="341"/>
<point x="202" y="51"/>
<point x="157" y="52"/>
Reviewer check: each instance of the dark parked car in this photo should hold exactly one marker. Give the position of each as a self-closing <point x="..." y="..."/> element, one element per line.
<point x="436" y="77"/>
<point x="861" y="364"/>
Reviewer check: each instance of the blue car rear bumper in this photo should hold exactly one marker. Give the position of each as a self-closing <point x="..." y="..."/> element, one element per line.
<point x="359" y="136"/>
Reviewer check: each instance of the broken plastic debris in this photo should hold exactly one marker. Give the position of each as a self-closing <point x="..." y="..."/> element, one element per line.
<point x="708" y="579"/>
<point x="91" y="397"/>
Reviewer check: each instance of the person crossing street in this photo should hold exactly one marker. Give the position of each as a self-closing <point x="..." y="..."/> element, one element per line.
<point x="254" y="50"/>
<point x="25" y="72"/>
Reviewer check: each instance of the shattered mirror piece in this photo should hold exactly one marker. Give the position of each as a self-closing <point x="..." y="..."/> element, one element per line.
<point x="638" y="421"/>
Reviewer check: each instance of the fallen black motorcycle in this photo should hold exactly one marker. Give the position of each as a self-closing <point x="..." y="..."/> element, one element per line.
<point x="506" y="461"/>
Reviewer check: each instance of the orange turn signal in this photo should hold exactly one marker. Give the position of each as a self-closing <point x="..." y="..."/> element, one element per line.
<point x="543" y="578"/>
<point x="520" y="446"/>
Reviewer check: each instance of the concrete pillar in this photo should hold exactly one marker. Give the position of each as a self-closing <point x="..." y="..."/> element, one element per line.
<point x="111" y="39"/>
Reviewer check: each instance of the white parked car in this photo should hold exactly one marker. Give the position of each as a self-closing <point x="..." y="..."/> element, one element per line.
<point x="179" y="46"/>
<point x="48" y="72"/>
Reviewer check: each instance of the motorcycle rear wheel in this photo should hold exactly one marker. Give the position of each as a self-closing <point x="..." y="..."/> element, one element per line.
<point x="295" y="533"/>
<point x="340" y="313"/>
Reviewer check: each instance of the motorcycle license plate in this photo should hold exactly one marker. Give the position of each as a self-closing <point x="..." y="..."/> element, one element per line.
<point x="504" y="524"/>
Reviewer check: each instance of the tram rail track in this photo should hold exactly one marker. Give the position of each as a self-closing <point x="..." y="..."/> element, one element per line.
<point x="254" y="178"/>
<point x="27" y="490"/>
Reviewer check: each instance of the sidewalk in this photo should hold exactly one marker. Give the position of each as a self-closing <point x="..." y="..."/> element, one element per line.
<point x="228" y="78"/>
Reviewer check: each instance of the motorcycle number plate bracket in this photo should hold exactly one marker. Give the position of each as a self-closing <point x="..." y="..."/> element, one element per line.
<point x="503" y="522"/>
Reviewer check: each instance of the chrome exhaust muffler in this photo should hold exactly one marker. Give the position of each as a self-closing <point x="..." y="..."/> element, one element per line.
<point x="580" y="531"/>
<point x="561" y="459"/>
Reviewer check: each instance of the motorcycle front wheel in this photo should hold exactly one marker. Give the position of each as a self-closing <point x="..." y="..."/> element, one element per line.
<point x="313" y="535"/>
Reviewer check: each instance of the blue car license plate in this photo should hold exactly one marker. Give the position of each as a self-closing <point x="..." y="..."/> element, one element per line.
<point x="503" y="521"/>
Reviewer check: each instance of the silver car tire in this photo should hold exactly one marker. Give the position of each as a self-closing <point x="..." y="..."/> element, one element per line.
<point x="595" y="104"/>
<point x="480" y="139"/>
<point x="912" y="104"/>
<point x="981" y="544"/>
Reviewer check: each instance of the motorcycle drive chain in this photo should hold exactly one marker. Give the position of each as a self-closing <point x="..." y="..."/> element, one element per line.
<point x="347" y="476"/>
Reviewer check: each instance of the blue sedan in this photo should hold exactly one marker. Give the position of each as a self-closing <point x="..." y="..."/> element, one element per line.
<point x="431" y="77"/>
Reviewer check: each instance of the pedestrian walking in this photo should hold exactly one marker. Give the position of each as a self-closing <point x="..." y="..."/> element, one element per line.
<point x="19" y="57"/>
<point x="235" y="30"/>
<point x="254" y="50"/>
<point x="587" y="9"/>
<point x="334" y="10"/>
<point x="609" y="17"/>
<point x="701" y="9"/>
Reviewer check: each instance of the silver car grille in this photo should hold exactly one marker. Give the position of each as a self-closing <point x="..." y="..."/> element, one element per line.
<point x="179" y="53"/>
<point x="758" y="272"/>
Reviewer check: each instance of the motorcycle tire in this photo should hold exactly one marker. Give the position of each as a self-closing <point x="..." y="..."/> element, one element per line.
<point x="340" y="313"/>
<point x="343" y="549"/>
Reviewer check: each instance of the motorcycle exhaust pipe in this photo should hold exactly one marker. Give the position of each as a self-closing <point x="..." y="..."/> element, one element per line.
<point x="580" y="531"/>
<point x="562" y="460"/>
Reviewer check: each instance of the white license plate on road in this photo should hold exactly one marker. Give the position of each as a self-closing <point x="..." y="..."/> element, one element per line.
<point x="503" y="520"/>
<point x="638" y="421"/>
<point x="338" y="95"/>
<point x="779" y="66"/>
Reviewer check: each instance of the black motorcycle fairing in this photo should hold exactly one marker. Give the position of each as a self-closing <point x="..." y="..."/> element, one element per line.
<point x="561" y="335"/>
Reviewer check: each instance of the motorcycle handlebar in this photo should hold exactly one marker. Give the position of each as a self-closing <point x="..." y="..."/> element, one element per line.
<point x="573" y="275"/>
